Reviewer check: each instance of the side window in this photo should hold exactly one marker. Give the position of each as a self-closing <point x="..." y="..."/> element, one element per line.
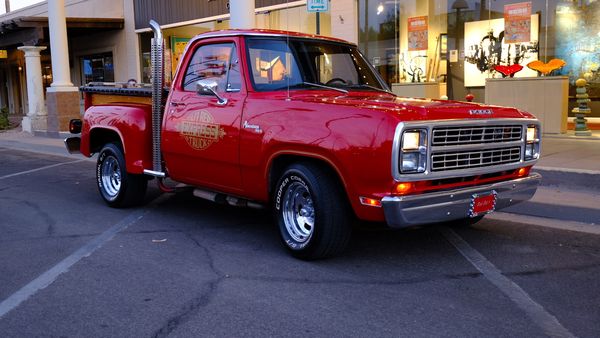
<point x="272" y="64"/>
<point x="209" y="62"/>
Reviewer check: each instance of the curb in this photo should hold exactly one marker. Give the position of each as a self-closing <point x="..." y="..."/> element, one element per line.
<point x="556" y="212"/>
<point x="569" y="178"/>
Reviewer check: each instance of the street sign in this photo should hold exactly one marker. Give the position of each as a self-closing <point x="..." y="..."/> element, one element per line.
<point x="317" y="5"/>
<point x="3" y="54"/>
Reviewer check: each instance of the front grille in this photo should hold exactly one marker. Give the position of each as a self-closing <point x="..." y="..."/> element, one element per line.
<point x="454" y="160"/>
<point x="444" y="136"/>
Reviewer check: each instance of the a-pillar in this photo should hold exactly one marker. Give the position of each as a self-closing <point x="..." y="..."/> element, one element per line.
<point x="36" y="112"/>
<point x="241" y="14"/>
<point x="62" y="96"/>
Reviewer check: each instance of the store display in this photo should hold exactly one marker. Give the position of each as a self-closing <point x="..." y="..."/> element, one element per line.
<point x="546" y="68"/>
<point x="508" y="70"/>
<point x="486" y="48"/>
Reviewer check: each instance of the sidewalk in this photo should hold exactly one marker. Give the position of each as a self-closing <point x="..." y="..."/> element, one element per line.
<point x="570" y="161"/>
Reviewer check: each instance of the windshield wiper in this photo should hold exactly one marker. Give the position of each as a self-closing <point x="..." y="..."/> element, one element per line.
<point x="325" y="86"/>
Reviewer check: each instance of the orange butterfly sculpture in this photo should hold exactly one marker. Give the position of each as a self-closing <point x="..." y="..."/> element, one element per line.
<point x="546" y="68"/>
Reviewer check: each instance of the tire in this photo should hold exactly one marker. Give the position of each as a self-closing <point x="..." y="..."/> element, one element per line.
<point x="312" y="212"/>
<point x="118" y="188"/>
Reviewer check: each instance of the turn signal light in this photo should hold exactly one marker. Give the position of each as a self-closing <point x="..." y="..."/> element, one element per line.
<point x="370" y="202"/>
<point x="403" y="188"/>
<point x="523" y="172"/>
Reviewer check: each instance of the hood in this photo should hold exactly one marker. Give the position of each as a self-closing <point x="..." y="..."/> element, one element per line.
<point x="412" y="109"/>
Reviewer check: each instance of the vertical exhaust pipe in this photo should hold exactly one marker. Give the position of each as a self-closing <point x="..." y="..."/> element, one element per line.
<point x="156" y="57"/>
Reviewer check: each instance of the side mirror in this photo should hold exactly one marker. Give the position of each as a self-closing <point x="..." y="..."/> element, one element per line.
<point x="209" y="87"/>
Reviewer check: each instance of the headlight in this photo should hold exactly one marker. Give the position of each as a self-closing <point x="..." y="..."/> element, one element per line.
<point x="532" y="143"/>
<point x="532" y="133"/>
<point x="413" y="155"/>
<point x="411" y="140"/>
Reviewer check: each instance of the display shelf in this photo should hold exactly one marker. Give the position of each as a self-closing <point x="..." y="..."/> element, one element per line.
<point x="545" y="97"/>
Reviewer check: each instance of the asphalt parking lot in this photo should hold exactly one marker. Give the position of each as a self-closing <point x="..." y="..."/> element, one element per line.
<point x="183" y="267"/>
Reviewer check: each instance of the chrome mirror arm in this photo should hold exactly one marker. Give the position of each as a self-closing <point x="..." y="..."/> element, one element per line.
<point x="209" y="87"/>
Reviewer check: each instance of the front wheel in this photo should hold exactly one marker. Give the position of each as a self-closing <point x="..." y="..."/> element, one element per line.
<point x="312" y="212"/>
<point x="117" y="187"/>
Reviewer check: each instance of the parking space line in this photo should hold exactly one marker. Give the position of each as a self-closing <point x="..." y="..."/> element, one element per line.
<point x="39" y="169"/>
<point x="546" y="321"/>
<point x="48" y="277"/>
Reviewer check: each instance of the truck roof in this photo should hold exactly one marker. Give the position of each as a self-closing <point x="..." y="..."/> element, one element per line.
<point x="267" y="32"/>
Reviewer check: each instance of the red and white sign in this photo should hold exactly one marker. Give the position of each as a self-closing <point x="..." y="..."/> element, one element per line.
<point x="517" y="22"/>
<point x="417" y="33"/>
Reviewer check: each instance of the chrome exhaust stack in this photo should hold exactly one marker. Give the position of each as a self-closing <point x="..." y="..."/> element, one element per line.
<point x="156" y="57"/>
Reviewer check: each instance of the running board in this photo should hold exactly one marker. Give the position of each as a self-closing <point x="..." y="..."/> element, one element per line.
<point x="226" y="199"/>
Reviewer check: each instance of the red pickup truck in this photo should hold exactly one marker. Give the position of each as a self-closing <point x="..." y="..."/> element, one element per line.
<point x="304" y="125"/>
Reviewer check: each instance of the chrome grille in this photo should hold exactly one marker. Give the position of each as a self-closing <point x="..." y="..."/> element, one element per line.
<point x="443" y="136"/>
<point x="453" y="160"/>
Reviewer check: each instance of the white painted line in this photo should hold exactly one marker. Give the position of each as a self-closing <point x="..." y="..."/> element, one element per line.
<point x="547" y="322"/>
<point x="593" y="229"/>
<point x="48" y="277"/>
<point x="39" y="169"/>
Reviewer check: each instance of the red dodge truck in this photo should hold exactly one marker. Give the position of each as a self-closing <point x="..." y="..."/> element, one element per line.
<point x="304" y="125"/>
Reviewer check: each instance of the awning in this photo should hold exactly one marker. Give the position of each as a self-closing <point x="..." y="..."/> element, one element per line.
<point x="33" y="30"/>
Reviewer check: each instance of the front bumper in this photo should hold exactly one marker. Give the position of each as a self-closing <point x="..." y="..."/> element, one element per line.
<point x="404" y="211"/>
<point x="73" y="145"/>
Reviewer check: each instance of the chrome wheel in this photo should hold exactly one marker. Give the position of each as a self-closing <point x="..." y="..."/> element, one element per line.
<point x="298" y="212"/>
<point x="111" y="176"/>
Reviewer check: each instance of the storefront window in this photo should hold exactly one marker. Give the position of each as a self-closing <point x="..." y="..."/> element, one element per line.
<point x="97" y="68"/>
<point x="378" y="37"/>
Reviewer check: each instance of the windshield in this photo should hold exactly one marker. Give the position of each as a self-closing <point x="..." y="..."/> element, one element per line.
<point x="276" y="64"/>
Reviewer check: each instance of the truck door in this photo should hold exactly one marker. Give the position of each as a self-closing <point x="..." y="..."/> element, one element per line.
<point x="201" y="134"/>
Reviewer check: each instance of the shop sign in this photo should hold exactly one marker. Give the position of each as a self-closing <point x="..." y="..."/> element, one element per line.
<point x="3" y="54"/>
<point x="317" y="5"/>
<point x="417" y="33"/>
<point x="517" y="22"/>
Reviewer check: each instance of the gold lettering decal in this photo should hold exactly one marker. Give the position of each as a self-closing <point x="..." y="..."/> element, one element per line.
<point x="200" y="130"/>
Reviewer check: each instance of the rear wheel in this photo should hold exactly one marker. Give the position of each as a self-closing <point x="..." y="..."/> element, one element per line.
<point x="312" y="212"/>
<point x="117" y="187"/>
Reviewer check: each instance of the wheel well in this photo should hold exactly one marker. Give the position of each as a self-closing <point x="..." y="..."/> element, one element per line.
<point x="280" y="163"/>
<point x="99" y="137"/>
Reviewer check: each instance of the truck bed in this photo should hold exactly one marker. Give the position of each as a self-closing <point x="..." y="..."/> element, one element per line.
<point x="107" y="94"/>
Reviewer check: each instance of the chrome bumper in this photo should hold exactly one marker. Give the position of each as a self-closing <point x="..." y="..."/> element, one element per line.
<point x="404" y="211"/>
<point x="73" y="145"/>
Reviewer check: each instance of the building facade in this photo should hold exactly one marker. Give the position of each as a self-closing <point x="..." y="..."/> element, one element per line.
<point x="453" y="46"/>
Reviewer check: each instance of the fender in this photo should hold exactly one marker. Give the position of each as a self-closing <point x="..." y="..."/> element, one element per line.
<point x="131" y="125"/>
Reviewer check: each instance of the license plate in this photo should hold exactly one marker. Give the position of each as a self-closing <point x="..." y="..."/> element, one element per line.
<point x="482" y="204"/>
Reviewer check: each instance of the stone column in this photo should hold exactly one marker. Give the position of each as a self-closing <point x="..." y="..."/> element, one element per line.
<point x="62" y="97"/>
<point x="241" y="14"/>
<point x="36" y="112"/>
<point x="59" y="48"/>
